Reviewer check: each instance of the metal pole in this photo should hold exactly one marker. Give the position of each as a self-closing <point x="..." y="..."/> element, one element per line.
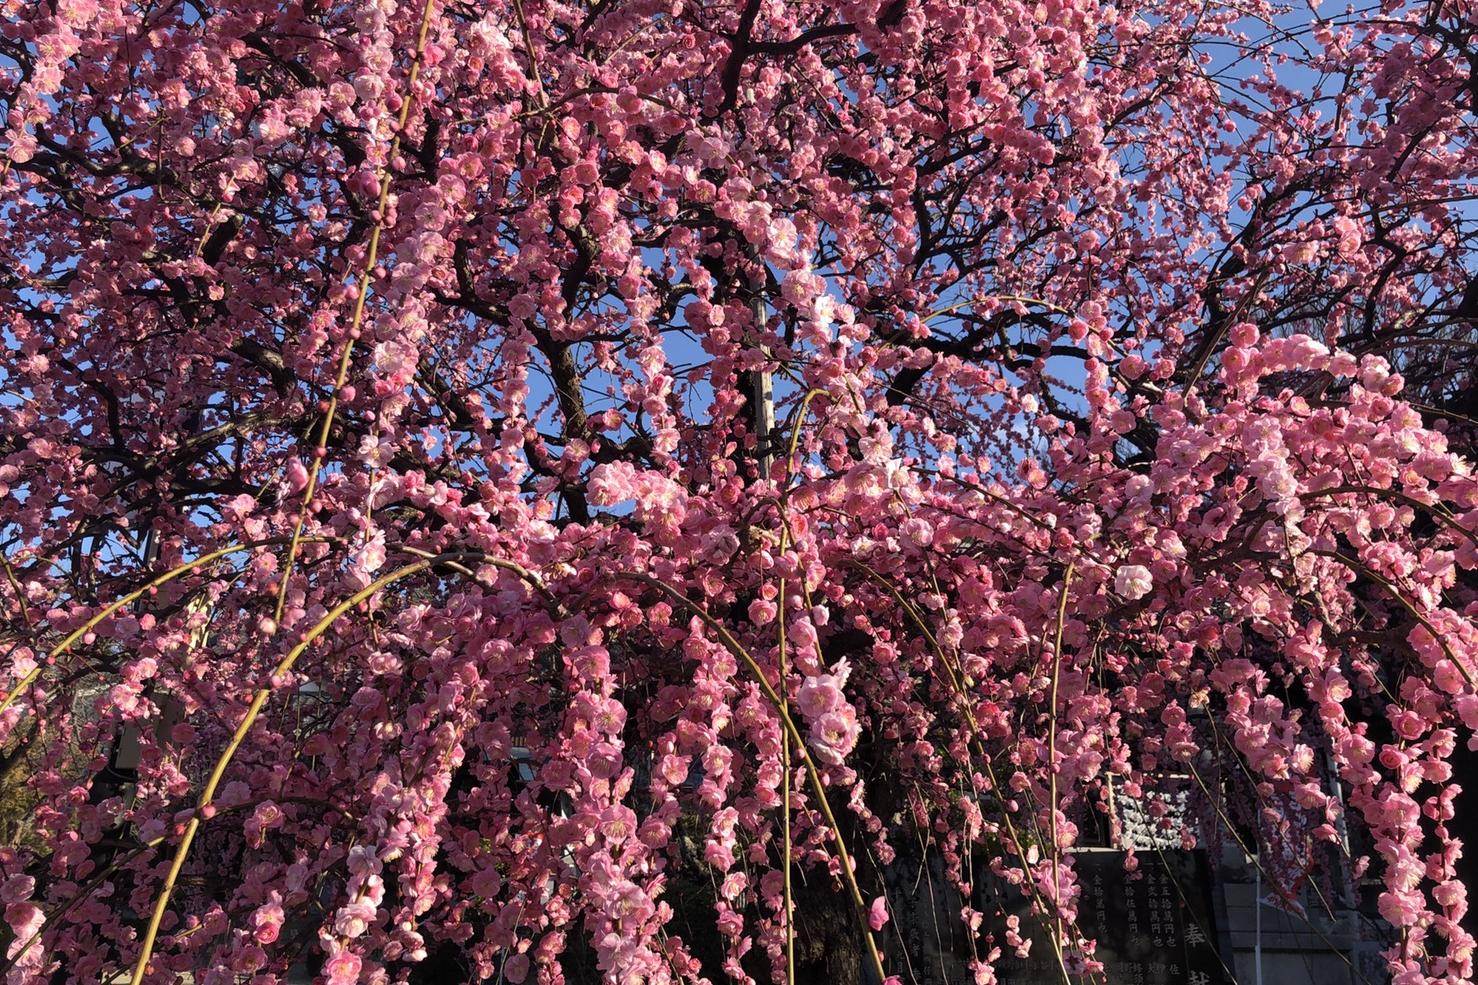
<point x="762" y="389"/>
<point x="1257" y="918"/>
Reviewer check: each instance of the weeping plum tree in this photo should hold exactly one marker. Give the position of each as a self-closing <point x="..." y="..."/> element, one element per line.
<point x="381" y="462"/>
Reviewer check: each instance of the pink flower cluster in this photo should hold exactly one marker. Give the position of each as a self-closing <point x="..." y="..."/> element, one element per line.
<point x="511" y="489"/>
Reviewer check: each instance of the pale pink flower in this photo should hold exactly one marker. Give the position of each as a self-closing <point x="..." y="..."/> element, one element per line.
<point x="353" y="919"/>
<point x="342" y="969"/>
<point x="516" y="968"/>
<point x="1133" y="581"/>
<point x="266" y="920"/>
<point x="818" y="695"/>
<point x="25" y="919"/>
<point x="17" y="888"/>
<point x="834" y="735"/>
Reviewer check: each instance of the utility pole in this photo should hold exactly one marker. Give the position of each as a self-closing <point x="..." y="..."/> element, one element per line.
<point x="763" y="398"/>
<point x="761" y="385"/>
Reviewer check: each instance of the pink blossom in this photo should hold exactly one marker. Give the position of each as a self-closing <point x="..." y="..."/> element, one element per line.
<point x="1133" y="581"/>
<point x="818" y="695"/>
<point x="1400" y="908"/>
<point x="653" y="333"/>
<point x="1349" y="235"/>
<point x="24" y="920"/>
<point x="516" y="968"/>
<point x="342" y="969"/>
<point x="834" y="734"/>
<point x="353" y="919"/>
<point x="17" y="888"/>
<point x="266" y="920"/>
